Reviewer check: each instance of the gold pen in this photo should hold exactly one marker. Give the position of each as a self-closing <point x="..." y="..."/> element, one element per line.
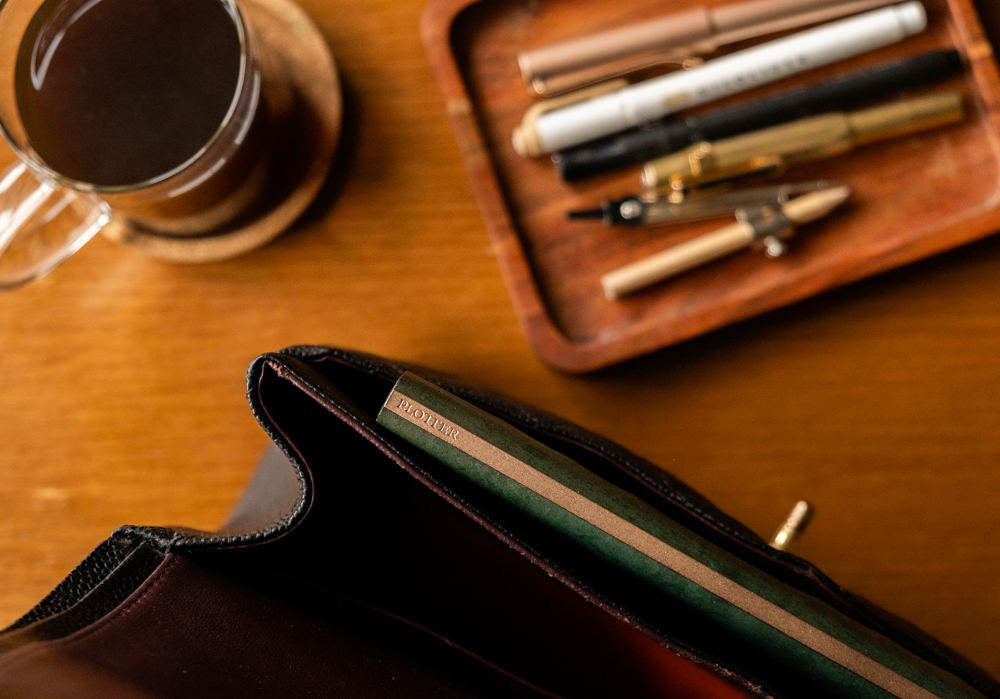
<point x="799" y="141"/>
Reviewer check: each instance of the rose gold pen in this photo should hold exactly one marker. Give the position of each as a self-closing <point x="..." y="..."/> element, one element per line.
<point x="674" y="38"/>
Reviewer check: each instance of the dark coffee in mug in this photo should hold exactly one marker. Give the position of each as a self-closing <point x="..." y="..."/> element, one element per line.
<point x="120" y="92"/>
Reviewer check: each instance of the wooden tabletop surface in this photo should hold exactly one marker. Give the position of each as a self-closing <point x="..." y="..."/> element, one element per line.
<point x="122" y="394"/>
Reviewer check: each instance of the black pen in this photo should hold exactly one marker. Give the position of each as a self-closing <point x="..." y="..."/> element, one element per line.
<point x="840" y="92"/>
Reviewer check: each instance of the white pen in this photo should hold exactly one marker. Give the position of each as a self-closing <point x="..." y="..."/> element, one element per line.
<point x="633" y="105"/>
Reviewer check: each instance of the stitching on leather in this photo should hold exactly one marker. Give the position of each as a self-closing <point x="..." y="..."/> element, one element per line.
<point x="104" y="622"/>
<point x="305" y="487"/>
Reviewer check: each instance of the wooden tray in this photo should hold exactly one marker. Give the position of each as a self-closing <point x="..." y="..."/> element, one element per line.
<point x="913" y="196"/>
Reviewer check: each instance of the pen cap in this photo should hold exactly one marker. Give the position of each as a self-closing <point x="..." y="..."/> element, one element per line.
<point x="912" y="17"/>
<point x="906" y="116"/>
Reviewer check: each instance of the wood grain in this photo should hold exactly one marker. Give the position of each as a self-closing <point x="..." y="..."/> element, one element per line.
<point x="553" y="265"/>
<point x="121" y="377"/>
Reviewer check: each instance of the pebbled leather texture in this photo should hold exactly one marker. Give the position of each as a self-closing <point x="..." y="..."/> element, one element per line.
<point x="107" y="594"/>
<point x="83" y="579"/>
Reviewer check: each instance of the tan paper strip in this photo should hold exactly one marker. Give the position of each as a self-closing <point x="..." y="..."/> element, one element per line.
<point x="663" y="553"/>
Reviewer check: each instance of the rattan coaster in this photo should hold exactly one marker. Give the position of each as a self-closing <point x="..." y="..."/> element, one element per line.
<point x="286" y="32"/>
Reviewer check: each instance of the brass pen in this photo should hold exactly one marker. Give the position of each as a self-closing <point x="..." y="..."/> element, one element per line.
<point x="799" y="141"/>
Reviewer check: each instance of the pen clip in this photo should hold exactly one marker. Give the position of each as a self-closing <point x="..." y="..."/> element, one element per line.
<point x="526" y="138"/>
<point x="770" y="227"/>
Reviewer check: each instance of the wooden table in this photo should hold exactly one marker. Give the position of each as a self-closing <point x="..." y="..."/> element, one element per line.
<point x="121" y="377"/>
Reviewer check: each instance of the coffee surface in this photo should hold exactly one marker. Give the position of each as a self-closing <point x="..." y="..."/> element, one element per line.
<point x="118" y="92"/>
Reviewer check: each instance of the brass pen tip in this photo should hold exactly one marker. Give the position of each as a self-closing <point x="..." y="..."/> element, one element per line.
<point x="814" y="205"/>
<point x="793" y="527"/>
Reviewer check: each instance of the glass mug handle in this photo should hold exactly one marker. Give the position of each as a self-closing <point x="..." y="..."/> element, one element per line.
<point x="41" y="224"/>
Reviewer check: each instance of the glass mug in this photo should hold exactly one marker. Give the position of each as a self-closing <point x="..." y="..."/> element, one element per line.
<point x="145" y="110"/>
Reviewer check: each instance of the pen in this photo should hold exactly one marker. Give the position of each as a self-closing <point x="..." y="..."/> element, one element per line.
<point x="841" y="92"/>
<point x="652" y="99"/>
<point x="768" y="225"/>
<point x="639" y="211"/>
<point x="570" y="64"/>
<point x="800" y="141"/>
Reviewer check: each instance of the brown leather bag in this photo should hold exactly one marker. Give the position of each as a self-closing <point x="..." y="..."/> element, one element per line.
<point x="355" y="566"/>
